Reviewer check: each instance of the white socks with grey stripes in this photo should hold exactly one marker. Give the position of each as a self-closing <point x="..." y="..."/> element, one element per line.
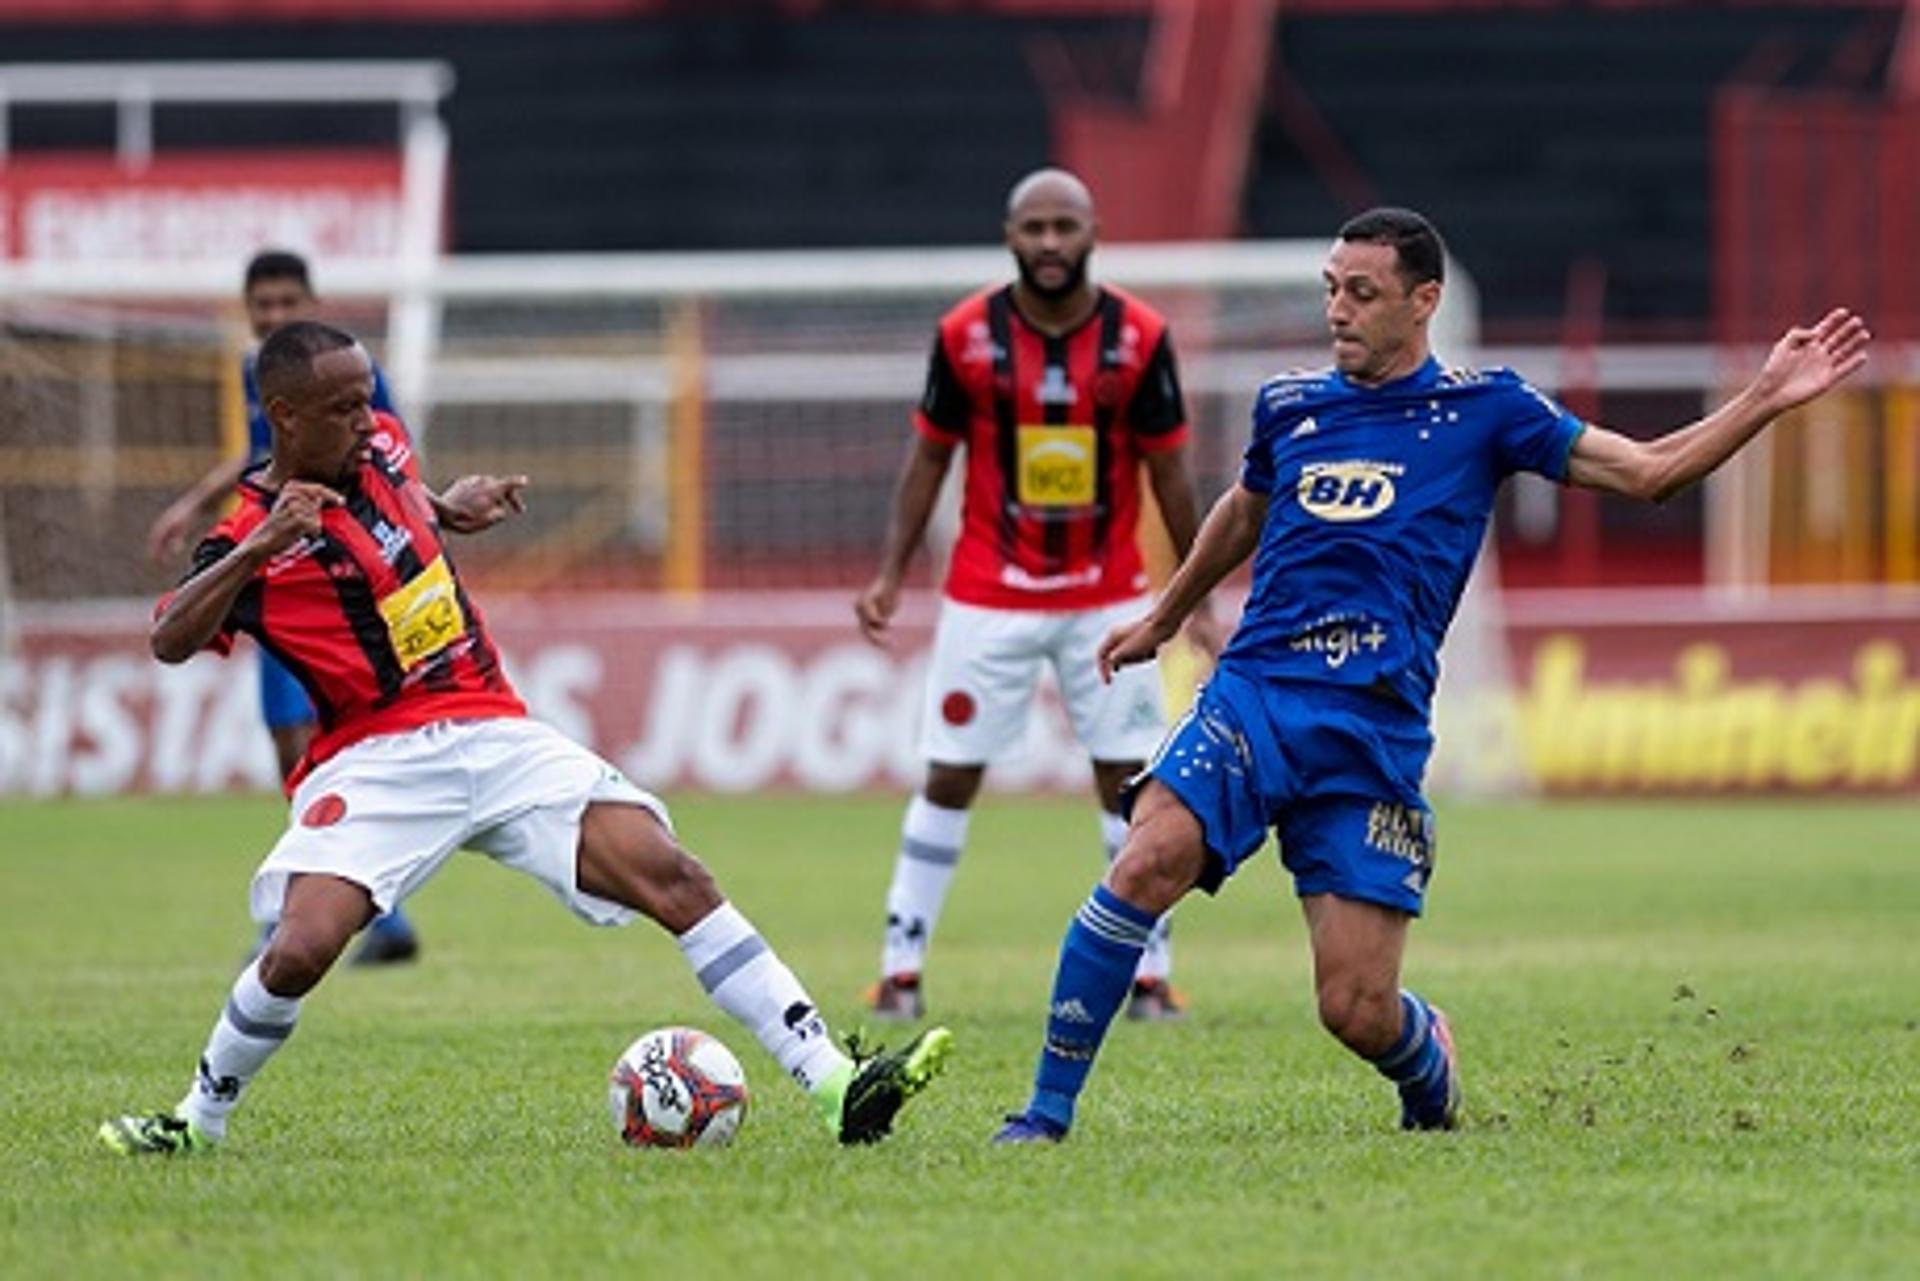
<point x="1157" y="961"/>
<point x="254" y="1025"/>
<point x="931" y="839"/>
<point x="744" y="978"/>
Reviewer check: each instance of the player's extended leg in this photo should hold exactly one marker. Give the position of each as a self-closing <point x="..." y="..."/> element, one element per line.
<point x="932" y="836"/>
<point x="290" y="721"/>
<point x="627" y="855"/>
<point x="319" y="915"/>
<point x="1357" y="948"/>
<point x="1163" y="858"/>
<point x="1153" y="998"/>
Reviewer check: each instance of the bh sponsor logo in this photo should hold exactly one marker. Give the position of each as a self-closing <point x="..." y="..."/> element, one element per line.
<point x="1348" y="491"/>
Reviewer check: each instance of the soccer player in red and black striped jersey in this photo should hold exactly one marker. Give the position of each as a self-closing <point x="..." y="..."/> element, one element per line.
<point x="335" y="563"/>
<point x="1059" y="390"/>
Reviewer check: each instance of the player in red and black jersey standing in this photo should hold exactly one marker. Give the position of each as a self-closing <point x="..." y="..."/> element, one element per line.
<point x="1059" y="390"/>
<point x="334" y="562"/>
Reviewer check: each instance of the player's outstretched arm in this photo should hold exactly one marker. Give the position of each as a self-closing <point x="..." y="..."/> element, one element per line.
<point x="1229" y="535"/>
<point x="1804" y="364"/>
<point x="913" y="498"/>
<point x="194" y="614"/>
<point x="474" y="503"/>
<point x="168" y="536"/>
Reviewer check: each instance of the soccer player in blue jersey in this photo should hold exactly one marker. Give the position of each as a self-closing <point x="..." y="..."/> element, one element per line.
<point x="1363" y="498"/>
<point x="278" y="289"/>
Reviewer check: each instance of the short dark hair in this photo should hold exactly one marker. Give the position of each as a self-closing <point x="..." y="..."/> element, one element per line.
<point x="278" y="264"/>
<point x="286" y="357"/>
<point x="1416" y="243"/>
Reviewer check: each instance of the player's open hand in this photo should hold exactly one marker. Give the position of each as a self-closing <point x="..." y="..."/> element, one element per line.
<point x="474" y="503"/>
<point x="1806" y="362"/>
<point x="1131" y="643"/>
<point x="168" y="537"/>
<point x="874" y="608"/>
<point x="295" y="515"/>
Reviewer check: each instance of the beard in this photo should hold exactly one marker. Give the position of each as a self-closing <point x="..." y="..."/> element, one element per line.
<point x="1075" y="277"/>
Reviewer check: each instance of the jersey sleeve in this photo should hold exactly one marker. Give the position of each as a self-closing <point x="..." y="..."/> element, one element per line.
<point x="1536" y="432"/>
<point x="1272" y="411"/>
<point x="1158" y="411"/>
<point x="945" y="407"/>
<point x="206" y="554"/>
<point x="391" y="437"/>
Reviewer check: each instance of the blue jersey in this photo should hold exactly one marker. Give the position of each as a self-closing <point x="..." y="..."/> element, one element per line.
<point x="1379" y="500"/>
<point x="260" y="431"/>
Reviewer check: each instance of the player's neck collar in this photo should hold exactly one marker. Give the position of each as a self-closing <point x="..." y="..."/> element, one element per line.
<point x="1079" y="323"/>
<point x="1425" y="374"/>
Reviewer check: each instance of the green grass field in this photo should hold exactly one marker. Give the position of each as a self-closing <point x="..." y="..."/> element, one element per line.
<point x="1691" y="1038"/>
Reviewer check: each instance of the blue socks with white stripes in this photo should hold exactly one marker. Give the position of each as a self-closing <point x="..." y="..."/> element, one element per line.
<point x="1097" y="960"/>
<point x="1417" y="1063"/>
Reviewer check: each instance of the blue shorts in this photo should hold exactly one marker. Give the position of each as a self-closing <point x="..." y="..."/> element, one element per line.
<point x="1334" y="771"/>
<point x="283" y="699"/>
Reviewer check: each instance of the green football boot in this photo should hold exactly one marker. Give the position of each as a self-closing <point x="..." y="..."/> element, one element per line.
<point x="162" y="1134"/>
<point x="860" y="1106"/>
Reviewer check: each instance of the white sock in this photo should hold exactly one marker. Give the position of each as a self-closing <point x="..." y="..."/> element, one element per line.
<point x="744" y="978"/>
<point x="931" y="838"/>
<point x="1157" y="961"/>
<point x="254" y="1025"/>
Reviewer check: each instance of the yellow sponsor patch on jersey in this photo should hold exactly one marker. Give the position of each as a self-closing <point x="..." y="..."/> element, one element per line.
<point x="1056" y="466"/>
<point x="423" y="615"/>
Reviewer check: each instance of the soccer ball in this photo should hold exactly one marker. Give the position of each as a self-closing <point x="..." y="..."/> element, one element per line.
<point x="677" y="1087"/>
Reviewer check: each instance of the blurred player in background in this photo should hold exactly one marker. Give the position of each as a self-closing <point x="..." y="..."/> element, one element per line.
<point x="278" y="289"/>
<point x="335" y="558"/>
<point x="1365" y="492"/>
<point x="1059" y="389"/>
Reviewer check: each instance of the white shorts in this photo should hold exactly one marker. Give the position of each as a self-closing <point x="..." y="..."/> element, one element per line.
<point x="986" y="665"/>
<point x="387" y="812"/>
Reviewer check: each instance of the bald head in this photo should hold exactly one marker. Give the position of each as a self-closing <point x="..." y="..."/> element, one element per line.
<point x="1052" y="186"/>
<point x="1050" y="229"/>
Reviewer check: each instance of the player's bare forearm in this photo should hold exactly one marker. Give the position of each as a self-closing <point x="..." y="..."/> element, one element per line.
<point x="195" y="613"/>
<point x="913" y="499"/>
<point x="1655" y="470"/>
<point x="1174" y="489"/>
<point x="1803" y="365"/>
<point x="219" y="481"/>
<point x="173" y="526"/>
<point x="1227" y="537"/>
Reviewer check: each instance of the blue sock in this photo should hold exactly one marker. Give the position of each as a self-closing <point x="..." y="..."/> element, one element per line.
<point x="1097" y="960"/>
<point x="1415" y="1062"/>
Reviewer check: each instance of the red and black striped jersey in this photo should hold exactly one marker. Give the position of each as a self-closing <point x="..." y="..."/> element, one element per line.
<point x="369" y="615"/>
<point x="1055" y="429"/>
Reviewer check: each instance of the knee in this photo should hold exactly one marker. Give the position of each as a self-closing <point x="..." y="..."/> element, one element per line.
<point x="1150" y="875"/>
<point x="1363" y="1016"/>
<point x="953" y="787"/>
<point x="295" y="960"/>
<point x="681" y="891"/>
